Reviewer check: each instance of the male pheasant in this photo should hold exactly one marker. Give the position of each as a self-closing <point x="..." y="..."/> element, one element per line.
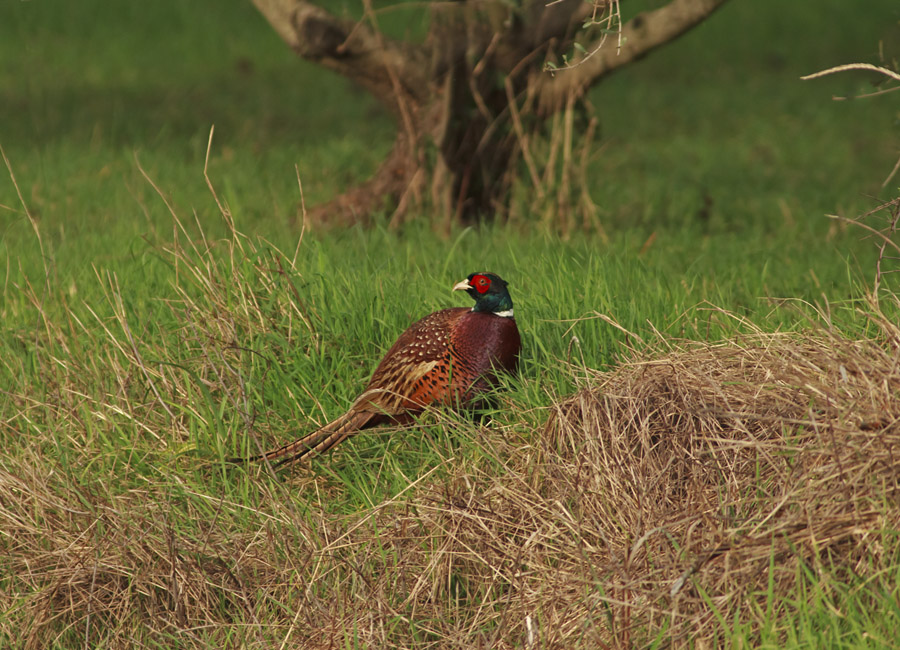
<point x="449" y="357"/>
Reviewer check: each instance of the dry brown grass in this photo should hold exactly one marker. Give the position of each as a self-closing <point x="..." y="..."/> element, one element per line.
<point x="686" y="486"/>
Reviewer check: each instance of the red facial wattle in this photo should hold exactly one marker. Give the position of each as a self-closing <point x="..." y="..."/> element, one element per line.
<point x="481" y="283"/>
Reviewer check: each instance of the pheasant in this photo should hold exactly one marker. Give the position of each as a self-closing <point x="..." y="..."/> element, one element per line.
<point x="447" y="358"/>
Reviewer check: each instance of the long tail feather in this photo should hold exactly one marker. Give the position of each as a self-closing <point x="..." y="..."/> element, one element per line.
<point x="319" y="441"/>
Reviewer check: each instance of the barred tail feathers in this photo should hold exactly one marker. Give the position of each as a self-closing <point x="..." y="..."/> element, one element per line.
<point x="320" y="440"/>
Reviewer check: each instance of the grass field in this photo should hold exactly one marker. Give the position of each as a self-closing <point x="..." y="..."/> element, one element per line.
<point x="147" y="335"/>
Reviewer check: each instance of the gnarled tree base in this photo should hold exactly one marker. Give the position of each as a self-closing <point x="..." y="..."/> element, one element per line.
<point x="468" y="100"/>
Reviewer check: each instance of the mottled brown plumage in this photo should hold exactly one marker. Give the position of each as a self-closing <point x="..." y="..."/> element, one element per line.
<point x="448" y="358"/>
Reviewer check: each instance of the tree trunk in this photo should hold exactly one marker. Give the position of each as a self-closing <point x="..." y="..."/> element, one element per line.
<point x="470" y="99"/>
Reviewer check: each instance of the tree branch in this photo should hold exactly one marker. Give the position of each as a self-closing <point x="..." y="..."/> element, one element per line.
<point x="377" y="63"/>
<point x="640" y="35"/>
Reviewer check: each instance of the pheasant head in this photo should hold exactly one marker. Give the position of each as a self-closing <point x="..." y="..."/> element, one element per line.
<point x="489" y="292"/>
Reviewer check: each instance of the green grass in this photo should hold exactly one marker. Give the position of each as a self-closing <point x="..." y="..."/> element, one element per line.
<point x="860" y="615"/>
<point x="136" y="354"/>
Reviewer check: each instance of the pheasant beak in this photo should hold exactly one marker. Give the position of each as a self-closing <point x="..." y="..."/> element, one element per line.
<point x="462" y="286"/>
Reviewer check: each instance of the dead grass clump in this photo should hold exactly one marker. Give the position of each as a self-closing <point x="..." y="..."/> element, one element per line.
<point x="86" y="569"/>
<point x="677" y="493"/>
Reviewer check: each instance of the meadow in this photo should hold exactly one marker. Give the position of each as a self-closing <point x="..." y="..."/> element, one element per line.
<point x="163" y="309"/>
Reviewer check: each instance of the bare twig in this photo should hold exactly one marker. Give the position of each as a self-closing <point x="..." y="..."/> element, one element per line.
<point x="853" y="66"/>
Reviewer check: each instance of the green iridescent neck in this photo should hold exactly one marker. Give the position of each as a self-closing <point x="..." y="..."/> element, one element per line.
<point x="495" y="302"/>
